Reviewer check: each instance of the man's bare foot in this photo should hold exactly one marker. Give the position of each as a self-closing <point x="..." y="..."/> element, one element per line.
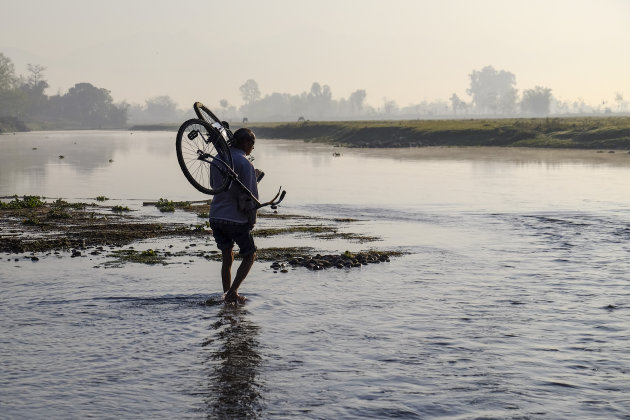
<point x="234" y="298"/>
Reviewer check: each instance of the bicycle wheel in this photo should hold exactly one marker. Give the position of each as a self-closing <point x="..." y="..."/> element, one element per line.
<point x="203" y="113"/>
<point x="203" y="155"/>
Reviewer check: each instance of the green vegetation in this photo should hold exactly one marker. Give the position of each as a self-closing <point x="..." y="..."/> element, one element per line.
<point x="280" y="253"/>
<point x="101" y="198"/>
<point x="62" y="204"/>
<point x="131" y="255"/>
<point x="27" y="202"/>
<point x="120" y="208"/>
<point x="169" y="206"/>
<point x="560" y="132"/>
<point x="577" y="133"/>
<point x="58" y="213"/>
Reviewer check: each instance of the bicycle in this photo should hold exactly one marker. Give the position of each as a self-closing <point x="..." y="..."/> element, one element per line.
<point x="203" y="152"/>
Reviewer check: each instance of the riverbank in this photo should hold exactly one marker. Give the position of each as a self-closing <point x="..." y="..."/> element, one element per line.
<point x="575" y="133"/>
<point x="566" y="132"/>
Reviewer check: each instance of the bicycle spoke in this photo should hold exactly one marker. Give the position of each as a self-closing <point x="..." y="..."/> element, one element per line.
<point x="198" y="144"/>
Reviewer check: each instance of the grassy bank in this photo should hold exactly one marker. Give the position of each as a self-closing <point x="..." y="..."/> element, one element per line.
<point x="577" y="133"/>
<point x="565" y="132"/>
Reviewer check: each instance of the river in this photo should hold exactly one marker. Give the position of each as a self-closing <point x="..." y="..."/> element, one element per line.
<point x="512" y="298"/>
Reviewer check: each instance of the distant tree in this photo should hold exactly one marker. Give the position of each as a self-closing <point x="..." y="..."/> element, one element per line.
<point x="356" y="100"/>
<point x="36" y="75"/>
<point x="620" y="102"/>
<point x="319" y="100"/>
<point x="457" y="104"/>
<point x="33" y="89"/>
<point x="390" y="107"/>
<point x="316" y="89"/>
<point x="536" y="101"/>
<point x="161" y="109"/>
<point x="225" y="105"/>
<point x="12" y="100"/>
<point x="249" y="91"/>
<point x="579" y="106"/>
<point x="8" y="79"/>
<point x="493" y="91"/>
<point x="118" y="114"/>
<point x="92" y="106"/>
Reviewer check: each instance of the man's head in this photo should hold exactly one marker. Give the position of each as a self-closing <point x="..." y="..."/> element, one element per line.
<point x="244" y="139"/>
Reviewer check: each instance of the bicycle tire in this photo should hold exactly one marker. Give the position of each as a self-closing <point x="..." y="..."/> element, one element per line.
<point x="203" y="113"/>
<point x="196" y="138"/>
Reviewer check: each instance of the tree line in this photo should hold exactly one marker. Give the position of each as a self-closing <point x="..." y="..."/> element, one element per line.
<point x="22" y="98"/>
<point x="492" y="93"/>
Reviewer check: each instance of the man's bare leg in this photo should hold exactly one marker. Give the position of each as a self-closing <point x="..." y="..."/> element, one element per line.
<point x="242" y="271"/>
<point x="226" y="268"/>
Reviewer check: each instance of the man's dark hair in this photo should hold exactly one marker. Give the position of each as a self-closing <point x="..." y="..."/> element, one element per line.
<point x="243" y="135"/>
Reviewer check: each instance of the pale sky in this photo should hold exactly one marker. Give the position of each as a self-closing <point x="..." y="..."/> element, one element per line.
<point x="403" y="50"/>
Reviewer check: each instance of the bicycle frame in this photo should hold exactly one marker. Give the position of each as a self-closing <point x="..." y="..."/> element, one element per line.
<point x="225" y="169"/>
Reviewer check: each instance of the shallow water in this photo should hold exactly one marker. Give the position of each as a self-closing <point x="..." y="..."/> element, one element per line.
<point x="512" y="302"/>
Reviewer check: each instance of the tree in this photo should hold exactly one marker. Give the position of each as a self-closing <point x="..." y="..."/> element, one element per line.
<point x="224" y="106"/>
<point x="389" y="107"/>
<point x="493" y="91"/>
<point x="161" y="109"/>
<point x="36" y="75"/>
<point x="249" y="91"/>
<point x="8" y="79"/>
<point x="356" y="100"/>
<point x="457" y="104"/>
<point x="92" y="106"/>
<point x="620" y="102"/>
<point x="87" y="103"/>
<point x="319" y="100"/>
<point x="33" y="89"/>
<point x="536" y="101"/>
<point x="316" y="89"/>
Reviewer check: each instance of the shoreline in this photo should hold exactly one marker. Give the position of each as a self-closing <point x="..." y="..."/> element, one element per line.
<point x="611" y="133"/>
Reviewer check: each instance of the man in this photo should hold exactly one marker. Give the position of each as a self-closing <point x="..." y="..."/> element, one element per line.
<point x="233" y="215"/>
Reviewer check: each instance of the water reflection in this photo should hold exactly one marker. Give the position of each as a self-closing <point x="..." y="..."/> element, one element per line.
<point x="233" y="363"/>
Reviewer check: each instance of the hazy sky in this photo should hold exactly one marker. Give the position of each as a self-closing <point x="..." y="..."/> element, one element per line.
<point x="404" y="50"/>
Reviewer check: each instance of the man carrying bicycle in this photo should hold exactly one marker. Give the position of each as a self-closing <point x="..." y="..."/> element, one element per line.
<point x="233" y="215"/>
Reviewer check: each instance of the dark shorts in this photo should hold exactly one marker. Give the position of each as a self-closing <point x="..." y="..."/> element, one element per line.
<point x="227" y="233"/>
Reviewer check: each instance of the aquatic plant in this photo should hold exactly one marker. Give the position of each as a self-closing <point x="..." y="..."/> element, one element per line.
<point x="62" y="204"/>
<point x="166" y="205"/>
<point x="148" y="256"/>
<point x="27" y="202"/>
